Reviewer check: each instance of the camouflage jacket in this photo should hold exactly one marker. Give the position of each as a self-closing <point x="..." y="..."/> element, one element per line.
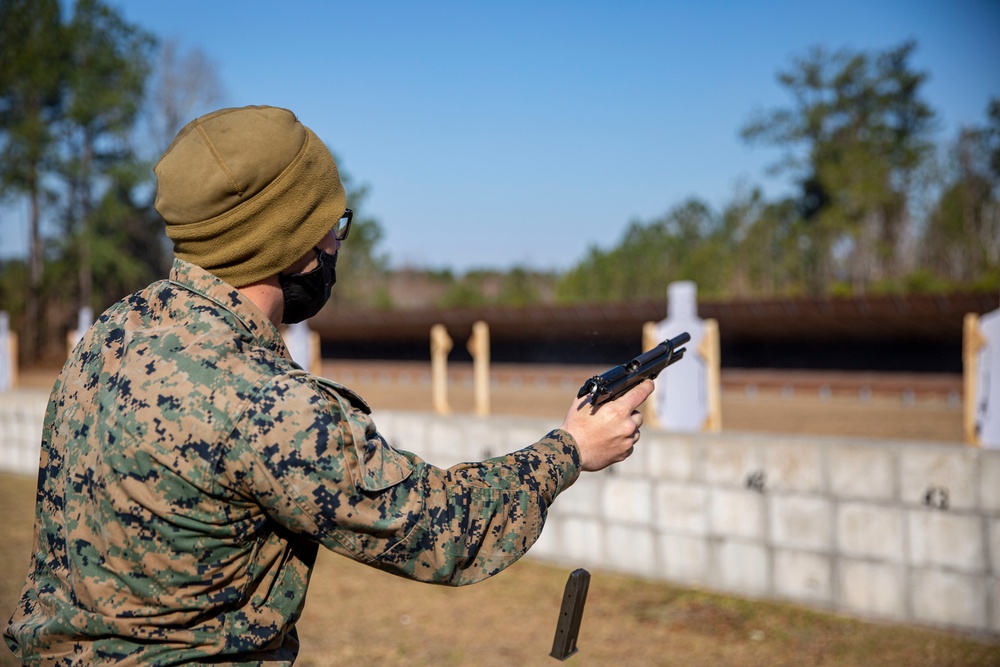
<point x="189" y="470"/>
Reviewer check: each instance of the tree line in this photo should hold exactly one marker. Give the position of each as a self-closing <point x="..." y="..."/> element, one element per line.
<point x="878" y="206"/>
<point x="88" y="102"/>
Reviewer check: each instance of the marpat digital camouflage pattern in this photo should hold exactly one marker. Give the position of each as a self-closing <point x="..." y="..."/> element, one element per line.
<point x="190" y="469"/>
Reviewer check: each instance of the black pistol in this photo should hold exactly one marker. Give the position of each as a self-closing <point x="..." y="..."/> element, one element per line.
<point x="613" y="383"/>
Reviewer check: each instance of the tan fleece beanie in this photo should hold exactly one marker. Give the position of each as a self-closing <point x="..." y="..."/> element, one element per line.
<point x="247" y="192"/>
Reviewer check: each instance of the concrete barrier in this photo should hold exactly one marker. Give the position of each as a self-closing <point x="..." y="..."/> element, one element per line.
<point x="21" y="415"/>
<point x="899" y="531"/>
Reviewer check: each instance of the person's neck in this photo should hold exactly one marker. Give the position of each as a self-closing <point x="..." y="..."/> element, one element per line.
<point x="267" y="296"/>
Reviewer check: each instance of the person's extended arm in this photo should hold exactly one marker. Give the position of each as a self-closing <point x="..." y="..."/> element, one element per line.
<point x="337" y="481"/>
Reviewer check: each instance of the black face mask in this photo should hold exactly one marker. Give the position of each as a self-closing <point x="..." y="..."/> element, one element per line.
<point x="306" y="293"/>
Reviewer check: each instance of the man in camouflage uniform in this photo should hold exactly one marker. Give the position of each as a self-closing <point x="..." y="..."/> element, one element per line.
<point x="190" y="468"/>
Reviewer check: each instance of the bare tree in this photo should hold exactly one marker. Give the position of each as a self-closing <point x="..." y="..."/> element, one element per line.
<point x="185" y="84"/>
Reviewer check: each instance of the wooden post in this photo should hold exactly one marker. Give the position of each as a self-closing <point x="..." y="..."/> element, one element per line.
<point x="441" y="345"/>
<point x="479" y="348"/>
<point x="709" y="351"/>
<point x="14" y="351"/>
<point x="650" y="339"/>
<point x="316" y="356"/>
<point x="972" y="342"/>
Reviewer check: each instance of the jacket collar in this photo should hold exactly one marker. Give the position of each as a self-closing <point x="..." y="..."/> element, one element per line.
<point x="201" y="282"/>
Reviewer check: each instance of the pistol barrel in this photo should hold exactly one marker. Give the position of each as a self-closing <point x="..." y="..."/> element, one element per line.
<point x="613" y="383"/>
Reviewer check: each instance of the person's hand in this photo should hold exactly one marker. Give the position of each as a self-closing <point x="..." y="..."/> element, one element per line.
<point x="608" y="434"/>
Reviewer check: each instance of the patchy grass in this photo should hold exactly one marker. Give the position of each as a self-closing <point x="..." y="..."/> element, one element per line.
<point x="360" y="616"/>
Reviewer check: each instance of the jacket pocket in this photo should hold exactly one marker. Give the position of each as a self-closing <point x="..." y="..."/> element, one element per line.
<point x="379" y="466"/>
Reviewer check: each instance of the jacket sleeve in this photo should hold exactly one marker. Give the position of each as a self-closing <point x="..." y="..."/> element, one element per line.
<point x="311" y="456"/>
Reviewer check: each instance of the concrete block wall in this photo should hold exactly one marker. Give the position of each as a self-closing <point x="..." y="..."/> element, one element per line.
<point x="899" y="531"/>
<point x="21" y="415"/>
<point x="906" y="532"/>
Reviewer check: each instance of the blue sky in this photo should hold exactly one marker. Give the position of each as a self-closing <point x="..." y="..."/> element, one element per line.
<point x="522" y="133"/>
